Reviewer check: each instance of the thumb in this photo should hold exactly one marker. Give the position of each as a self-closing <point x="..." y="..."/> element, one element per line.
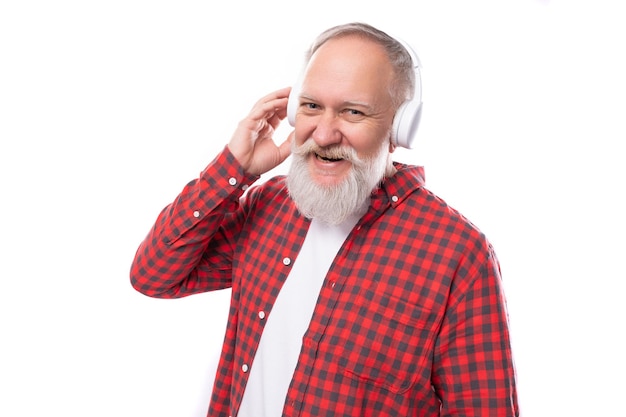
<point x="284" y="150"/>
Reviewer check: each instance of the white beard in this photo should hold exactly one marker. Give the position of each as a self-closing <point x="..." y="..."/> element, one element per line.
<point x="332" y="204"/>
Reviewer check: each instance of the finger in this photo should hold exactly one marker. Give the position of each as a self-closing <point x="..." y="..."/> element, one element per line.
<point x="268" y="109"/>
<point x="284" y="150"/>
<point x="280" y="93"/>
<point x="273" y="97"/>
<point x="270" y="113"/>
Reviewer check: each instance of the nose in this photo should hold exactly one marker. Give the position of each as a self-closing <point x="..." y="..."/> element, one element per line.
<point x="327" y="130"/>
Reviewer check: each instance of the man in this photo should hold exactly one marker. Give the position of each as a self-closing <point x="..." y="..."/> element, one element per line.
<point x="355" y="290"/>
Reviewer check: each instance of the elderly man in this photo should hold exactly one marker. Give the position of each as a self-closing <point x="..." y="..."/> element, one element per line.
<point x="355" y="290"/>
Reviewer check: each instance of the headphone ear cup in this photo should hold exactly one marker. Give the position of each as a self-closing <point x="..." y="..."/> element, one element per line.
<point x="405" y="123"/>
<point x="293" y="102"/>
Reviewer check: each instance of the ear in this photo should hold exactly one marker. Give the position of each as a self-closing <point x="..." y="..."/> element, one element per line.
<point x="392" y="146"/>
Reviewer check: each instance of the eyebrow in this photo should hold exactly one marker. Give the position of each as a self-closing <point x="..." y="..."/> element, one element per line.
<point x="347" y="103"/>
<point x="357" y="104"/>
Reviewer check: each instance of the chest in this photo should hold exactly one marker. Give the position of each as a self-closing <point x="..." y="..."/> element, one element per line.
<point x="389" y="269"/>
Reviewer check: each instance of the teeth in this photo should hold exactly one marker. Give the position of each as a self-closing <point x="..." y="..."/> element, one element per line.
<point x="323" y="158"/>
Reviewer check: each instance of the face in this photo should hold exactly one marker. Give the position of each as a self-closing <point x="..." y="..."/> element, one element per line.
<point x="345" y="104"/>
<point x="342" y="146"/>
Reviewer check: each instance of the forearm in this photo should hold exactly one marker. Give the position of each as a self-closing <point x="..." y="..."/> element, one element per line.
<point x="189" y="248"/>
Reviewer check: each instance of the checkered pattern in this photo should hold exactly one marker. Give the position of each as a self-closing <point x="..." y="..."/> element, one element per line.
<point x="410" y="321"/>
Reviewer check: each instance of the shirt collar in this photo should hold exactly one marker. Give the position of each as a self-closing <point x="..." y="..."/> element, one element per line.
<point x="395" y="189"/>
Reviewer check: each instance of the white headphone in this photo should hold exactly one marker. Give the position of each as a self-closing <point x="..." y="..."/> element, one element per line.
<point x="406" y="119"/>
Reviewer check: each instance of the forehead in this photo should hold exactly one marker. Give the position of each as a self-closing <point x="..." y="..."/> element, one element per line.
<point x="352" y="65"/>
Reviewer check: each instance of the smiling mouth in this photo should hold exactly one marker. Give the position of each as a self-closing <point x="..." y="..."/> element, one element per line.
<point x="327" y="159"/>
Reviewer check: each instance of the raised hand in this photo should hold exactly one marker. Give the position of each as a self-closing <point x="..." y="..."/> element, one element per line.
<point x="252" y="142"/>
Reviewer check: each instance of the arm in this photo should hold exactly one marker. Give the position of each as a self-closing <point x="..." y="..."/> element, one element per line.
<point x="473" y="366"/>
<point x="190" y="247"/>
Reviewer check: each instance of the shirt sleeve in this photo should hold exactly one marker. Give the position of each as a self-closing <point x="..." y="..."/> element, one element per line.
<point x="189" y="249"/>
<point x="473" y="366"/>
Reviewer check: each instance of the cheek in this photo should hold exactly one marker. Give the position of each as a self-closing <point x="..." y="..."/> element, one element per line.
<point x="302" y="132"/>
<point x="368" y="141"/>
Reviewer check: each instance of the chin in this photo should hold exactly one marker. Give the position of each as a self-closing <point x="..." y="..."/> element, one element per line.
<point x="328" y="180"/>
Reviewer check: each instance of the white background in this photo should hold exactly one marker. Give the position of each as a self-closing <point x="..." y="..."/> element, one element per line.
<point x="107" y="108"/>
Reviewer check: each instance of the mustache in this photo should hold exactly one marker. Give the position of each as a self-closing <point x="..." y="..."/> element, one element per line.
<point x="331" y="152"/>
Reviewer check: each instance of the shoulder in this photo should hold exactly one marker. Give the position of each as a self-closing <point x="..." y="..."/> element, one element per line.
<point x="427" y="210"/>
<point x="274" y="187"/>
<point x="269" y="198"/>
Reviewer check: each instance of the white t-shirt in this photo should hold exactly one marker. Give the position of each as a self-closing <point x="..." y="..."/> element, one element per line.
<point x="277" y="355"/>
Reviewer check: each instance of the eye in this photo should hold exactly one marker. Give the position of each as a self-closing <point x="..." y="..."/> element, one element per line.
<point x="353" y="115"/>
<point x="310" y="106"/>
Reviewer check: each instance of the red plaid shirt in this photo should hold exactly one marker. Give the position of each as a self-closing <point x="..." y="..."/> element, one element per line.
<point x="411" y="318"/>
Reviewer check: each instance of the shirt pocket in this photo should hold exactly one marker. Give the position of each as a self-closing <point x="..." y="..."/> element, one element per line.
<point x="389" y="341"/>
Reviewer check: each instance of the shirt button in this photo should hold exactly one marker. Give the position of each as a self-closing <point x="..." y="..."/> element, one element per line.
<point x="196" y="214"/>
<point x="244" y="367"/>
<point x="232" y="181"/>
<point x="286" y="261"/>
<point x="244" y="187"/>
<point x="261" y="315"/>
<point x="394" y="198"/>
